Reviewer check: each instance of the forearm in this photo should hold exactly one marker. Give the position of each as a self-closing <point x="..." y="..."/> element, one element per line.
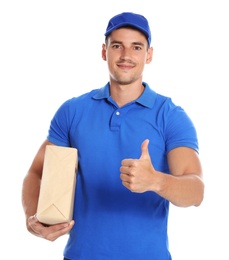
<point x="30" y="194"/>
<point x="182" y="191"/>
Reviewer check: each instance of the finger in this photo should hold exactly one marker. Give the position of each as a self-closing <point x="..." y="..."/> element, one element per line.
<point x="58" y="230"/>
<point x="124" y="169"/>
<point x="35" y="218"/>
<point x="127" y="162"/>
<point x="145" y="151"/>
<point x="32" y="220"/>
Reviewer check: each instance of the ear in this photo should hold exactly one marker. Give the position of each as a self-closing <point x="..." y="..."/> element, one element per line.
<point x="149" y="55"/>
<point x="104" y="57"/>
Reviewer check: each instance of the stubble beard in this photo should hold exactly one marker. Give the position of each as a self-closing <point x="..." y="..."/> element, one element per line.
<point x="123" y="79"/>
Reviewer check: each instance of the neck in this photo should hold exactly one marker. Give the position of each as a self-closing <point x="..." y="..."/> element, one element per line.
<point x="124" y="94"/>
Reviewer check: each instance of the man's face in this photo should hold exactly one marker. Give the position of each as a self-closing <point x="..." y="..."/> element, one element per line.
<point x="126" y="52"/>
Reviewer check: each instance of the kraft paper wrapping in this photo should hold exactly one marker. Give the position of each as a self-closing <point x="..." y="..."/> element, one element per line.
<point x="58" y="183"/>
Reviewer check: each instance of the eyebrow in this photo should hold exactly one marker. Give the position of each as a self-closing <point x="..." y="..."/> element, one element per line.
<point x="133" y="43"/>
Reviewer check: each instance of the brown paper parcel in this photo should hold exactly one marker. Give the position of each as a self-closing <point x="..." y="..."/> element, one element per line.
<point x="57" y="191"/>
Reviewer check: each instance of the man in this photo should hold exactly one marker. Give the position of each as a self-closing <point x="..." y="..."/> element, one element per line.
<point x="137" y="150"/>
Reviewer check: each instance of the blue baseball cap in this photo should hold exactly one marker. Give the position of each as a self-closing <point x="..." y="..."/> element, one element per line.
<point x="129" y="19"/>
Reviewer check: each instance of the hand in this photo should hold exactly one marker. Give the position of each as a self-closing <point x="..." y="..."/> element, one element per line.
<point x="137" y="174"/>
<point x="50" y="233"/>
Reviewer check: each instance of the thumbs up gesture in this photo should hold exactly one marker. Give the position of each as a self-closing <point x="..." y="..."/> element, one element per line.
<point x="138" y="175"/>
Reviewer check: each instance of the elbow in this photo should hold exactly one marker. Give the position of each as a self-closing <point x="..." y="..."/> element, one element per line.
<point x="200" y="196"/>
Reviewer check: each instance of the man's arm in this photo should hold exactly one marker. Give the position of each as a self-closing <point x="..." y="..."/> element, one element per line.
<point x="30" y="195"/>
<point x="183" y="187"/>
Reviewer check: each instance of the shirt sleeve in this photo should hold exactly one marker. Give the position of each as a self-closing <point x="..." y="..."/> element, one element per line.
<point x="60" y="125"/>
<point x="179" y="129"/>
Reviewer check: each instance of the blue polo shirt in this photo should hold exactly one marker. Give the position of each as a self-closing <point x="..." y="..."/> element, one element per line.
<point x="111" y="222"/>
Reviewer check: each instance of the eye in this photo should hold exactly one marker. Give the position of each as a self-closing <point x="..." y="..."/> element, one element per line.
<point x="137" y="48"/>
<point x="116" y="46"/>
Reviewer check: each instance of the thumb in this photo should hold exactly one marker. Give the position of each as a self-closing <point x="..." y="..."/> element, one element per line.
<point x="144" y="148"/>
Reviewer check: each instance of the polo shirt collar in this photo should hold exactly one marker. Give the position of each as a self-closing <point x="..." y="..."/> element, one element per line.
<point x="147" y="98"/>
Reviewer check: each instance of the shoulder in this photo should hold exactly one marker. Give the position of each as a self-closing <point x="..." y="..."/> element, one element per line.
<point x="79" y="101"/>
<point x="152" y="99"/>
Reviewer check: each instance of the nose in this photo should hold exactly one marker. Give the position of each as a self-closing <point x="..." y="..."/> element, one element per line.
<point x="126" y="53"/>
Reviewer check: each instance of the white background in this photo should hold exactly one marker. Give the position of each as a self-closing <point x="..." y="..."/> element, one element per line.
<point x="51" y="51"/>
